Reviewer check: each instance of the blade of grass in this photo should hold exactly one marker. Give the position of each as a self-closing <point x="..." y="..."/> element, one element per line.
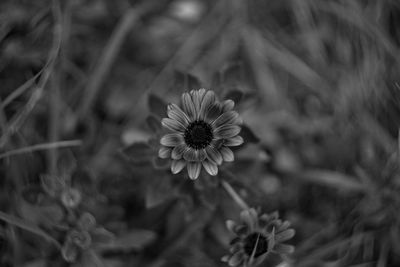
<point x="294" y="65"/>
<point x="54" y="114"/>
<point x="398" y="143"/>
<point x="3" y="118"/>
<point x="306" y="245"/>
<point x="380" y="135"/>
<point x="332" y="247"/>
<point x="383" y="254"/>
<point x="353" y="14"/>
<point x="329" y="178"/>
<point x="39" y="147"/>
<point x="263" y="77"/>
<point x="17" y="121"/>
<point x="111" y="50"/>
<point x="25" y="86"/>
<point x="109" y="55"/>
<point x="302" y="11"/>
<point x="189" y="51"/>
<point x="57" y="82"/>
<point x="95" y="258"/>
<point x="28" y="227"/>
<point x="201" y="219"/>
<point x="235" y="196"/>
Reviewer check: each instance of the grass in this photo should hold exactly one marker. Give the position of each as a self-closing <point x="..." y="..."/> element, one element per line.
<point x="84" y="85"/>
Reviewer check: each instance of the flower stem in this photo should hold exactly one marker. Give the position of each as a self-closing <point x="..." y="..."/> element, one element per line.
<point x="234" y="195"/>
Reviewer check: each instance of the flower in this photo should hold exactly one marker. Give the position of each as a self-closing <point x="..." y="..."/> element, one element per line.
<point x="200" y="133"/>
<point x="256" y="237"/>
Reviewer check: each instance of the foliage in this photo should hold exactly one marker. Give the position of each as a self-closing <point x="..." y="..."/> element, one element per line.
<point x="86" y="84"/>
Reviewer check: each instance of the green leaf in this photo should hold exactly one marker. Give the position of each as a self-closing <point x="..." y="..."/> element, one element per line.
<point x="139" y="152"/>
<point x="248" y="135"/>
<point x="91" y="258"/>
<point x="160" y="164"/>
<point x="159" y="191"/>
<point x="332" y="179"/>
<point x="209" y="198"/>
<point x="52" y="184"/>
<point x="33" y="194"/>
<point x="28" y="227"/>
<point x="83" y="180"/>
<point x="235" y="95"/>
<point x="157" y="106"/>
<point x="153" y="123"/>
<point x="66" y="163"/>
<point x="134" y="135"/>
<point x="100" y="235"/>
<point x="133" y="240"/>
<point x="36" y="263"/>
<point x="185" y="81"/>
<point x="233" y="73"/>
<point x="43" y="212"/>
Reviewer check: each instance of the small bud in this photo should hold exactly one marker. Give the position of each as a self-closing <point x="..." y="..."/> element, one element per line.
<point x="71" y="197"/>
<point x="80" y="238"/>
<point x="87" y="221"/>
<point x="69" y="251"/>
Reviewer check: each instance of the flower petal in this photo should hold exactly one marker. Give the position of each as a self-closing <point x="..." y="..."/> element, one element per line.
<point x="208" y="100"/>
<point x="234" y="141"/>
<point x="231" y="225"/>
<point x="264" y="220"/>
<point x="214" y="155"/>
<point x="178" y="151"/>
<point x="227" y="154"/>
<point x="285" y="235"/>
<point x="227" y="131"/>
<point x="197" y="98"/>
<point x="285" y="225"/>
<point x="173" y="125"/>
<point x="230" y="117"/>
<point x="202" y="155"/>
<point x="225" y="258"/>
<point x="194" y="169"/>
<point x="191" y="155"/>
<point x="212" y="112"/>
<point x="164" y="152"/>
<point x="177" y="166"/>
<point x="236" y="247"/>
<point x="176" y="113"/>
<point x="241" y="230"/>
<point x="217" y="143"/>
<point x="210" y="167"/>
<point x="227" y="105"/>
<point x="284" y="249"/>
<point x="236" y="259"/>
<point x="249" y="217"/>
<point x="188" y="106"/>
<point x="194" y="155"/>
<point x="172" y="140"/>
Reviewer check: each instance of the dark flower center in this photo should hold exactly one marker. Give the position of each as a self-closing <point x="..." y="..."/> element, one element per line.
<point x="198" y="134"/>
<point x="250" y="243"/>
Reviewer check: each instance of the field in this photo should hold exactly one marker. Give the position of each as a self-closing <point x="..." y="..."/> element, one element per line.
<point x="112" y="154"/>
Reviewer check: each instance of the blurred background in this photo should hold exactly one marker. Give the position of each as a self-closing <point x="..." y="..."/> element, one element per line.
<point x="85" y="83"/>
